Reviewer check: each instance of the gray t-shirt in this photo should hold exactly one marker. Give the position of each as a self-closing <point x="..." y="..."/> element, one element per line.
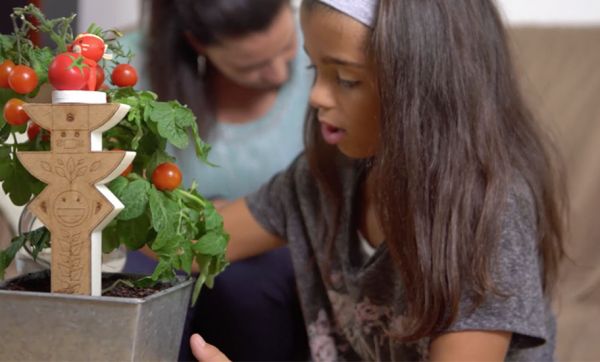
<point x="356" y="315"/>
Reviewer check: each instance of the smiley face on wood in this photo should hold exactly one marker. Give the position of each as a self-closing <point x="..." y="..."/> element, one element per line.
<point x="71" y="208"/>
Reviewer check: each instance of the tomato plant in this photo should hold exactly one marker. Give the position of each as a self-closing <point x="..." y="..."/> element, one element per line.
<point x="167" y="218"/>
<point x="124" y="75"/>
<point x="166" y="176"/>
<point x="68" y="71"/>
<point x="14" y="114"/>
<point x="6" y="68"/>
<point x="22" y="79"/>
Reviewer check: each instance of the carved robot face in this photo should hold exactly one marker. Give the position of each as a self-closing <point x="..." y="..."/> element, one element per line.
<point x="71" y="208"/>
<point x="69" y="140"/>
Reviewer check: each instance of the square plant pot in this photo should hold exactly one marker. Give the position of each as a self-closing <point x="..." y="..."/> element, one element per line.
<point x="57" y="327"/>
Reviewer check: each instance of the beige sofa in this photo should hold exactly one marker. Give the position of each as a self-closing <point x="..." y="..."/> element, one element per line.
<point x="560" y="71"/>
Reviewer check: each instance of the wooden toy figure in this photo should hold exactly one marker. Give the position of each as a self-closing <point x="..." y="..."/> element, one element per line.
<point x="76" y="206"/>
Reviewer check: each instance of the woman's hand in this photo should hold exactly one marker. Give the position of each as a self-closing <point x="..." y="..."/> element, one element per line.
<point x="205" y="352"/>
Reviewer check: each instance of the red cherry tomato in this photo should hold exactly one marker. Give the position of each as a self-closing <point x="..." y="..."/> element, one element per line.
<point x="89" y="45"/>
<point x="22" y="79"/>
<point x="14" y="114"/>
<point x="68" y="71"/>
<point x="6" y="68"/>
<point x="99" y="77"/>
<point x="127" y="170"/>
<point x="33" y="130"/>
<point x="166" y="176"/>
<point x="124" y="75"/>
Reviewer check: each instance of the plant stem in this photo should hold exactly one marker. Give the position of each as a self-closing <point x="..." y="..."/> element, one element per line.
<point x="116" y="283"/>
<point x="191" y="197"/>
<point x="14" y="148"/>
<point x="17" y="37"/>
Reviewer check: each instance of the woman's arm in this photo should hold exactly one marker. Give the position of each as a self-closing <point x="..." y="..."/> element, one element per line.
<point x="466" y="346"/>
<point x="247" y="237"/>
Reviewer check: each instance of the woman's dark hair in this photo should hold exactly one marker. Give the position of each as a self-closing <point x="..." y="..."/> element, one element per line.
<point x="455" y="134"/>
<point x="171" y="59"/>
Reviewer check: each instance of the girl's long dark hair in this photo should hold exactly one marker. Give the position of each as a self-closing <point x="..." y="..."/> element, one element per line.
<point x="171" y="59"/>
<point x="455" y="132"/>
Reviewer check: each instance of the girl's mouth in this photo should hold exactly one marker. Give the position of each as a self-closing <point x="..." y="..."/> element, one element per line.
<point x="331" y="134"/>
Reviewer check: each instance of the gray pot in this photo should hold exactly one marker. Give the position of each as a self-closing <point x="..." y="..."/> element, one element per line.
<point x="58" y="327"/>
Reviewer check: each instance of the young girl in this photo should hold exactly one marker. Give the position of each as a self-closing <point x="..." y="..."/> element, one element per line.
<point x="424" y="218"/>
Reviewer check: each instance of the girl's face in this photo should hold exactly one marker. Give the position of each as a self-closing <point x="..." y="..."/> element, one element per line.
<point x="344" y="93"/>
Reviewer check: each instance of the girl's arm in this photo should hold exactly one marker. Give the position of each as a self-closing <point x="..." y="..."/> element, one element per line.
<point x="466" y="346"/>
<point x="247" y="237"/>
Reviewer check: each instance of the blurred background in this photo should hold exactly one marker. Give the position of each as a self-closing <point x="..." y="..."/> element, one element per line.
<point x="557" y="51"/>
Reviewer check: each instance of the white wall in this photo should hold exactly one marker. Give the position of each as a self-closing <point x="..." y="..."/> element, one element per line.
<point x="552" y="12"/>
<point x="125" y="14"/>
<point x="119" y="14"/>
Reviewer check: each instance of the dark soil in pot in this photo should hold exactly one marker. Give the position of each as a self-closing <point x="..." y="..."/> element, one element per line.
<point x="110" y="285"/>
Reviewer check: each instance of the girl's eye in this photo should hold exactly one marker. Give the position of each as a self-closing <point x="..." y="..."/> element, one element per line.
<point x="313" y="68"/>
<point x="345" y="83"/>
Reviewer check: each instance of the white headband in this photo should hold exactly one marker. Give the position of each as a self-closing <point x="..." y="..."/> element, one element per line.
<point x="361" y="10"/>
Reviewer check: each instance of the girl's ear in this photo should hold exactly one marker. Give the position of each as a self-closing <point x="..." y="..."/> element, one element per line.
<point x="194" y="43"/>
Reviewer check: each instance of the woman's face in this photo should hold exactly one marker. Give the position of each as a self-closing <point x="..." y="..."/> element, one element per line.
<point x="344" y="93"/>
<point x="259" y="60"/>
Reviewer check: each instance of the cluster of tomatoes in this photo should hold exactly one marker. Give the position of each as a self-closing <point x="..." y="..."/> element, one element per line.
<point x="21" y="79"/>
<point x="76" y="69"/>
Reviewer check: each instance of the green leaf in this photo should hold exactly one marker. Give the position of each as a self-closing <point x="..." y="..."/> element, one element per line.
<point x="212" y="219"/>
<point x="164" y="115"/>
<point x="163" y="271"/>
<point x="6" y="164"/>
<point x="135" y="199"/>
<point x="4" y="131"/>
<point x="20" y="129"/>
<point x="185" y="257"/>
<point x="110" y="237"/>
<point x="40" y="59"/>
<point x="17" y="185"/>
<point x="7" y="45"/>
<point x="211" y="243"/>
<point x="167" y="243"/>
<point x="202" y="149"/>
<point x="189" y="226"/>
<point x="117" y="185"/>
<point x="203" y="262"/>
<point x="165" y="212"/>
<point x="184" y="117"/>
<point x="7" y="256"/>
<point x="134" y="233"/>
<point x="37" y="187"/>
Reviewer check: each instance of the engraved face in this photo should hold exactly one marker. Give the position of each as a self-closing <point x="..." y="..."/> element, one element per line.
<point x="71" y="208"/>
<point x="69" y="140"/>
